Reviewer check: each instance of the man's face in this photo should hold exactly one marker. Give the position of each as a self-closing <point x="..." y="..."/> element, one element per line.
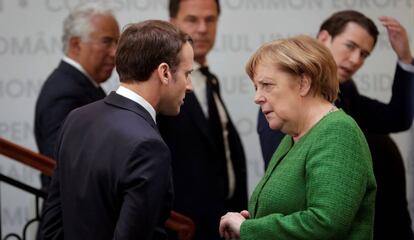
<point x="198" y="18"/>
<point x="179" y="84"/>
<point x="349" y="49"/>
<point x="97" y="53"/>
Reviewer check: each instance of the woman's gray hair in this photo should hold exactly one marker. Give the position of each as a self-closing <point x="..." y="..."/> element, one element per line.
<point x="78" y="23"/>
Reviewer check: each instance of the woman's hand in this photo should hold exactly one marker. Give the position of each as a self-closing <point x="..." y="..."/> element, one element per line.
<point x="230" y="224"/>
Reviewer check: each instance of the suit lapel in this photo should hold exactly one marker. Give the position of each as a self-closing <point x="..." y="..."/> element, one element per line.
<point x="281" y="152"/>
<point x="127" y="104"/>
<point x="193" y="108"/>
<point x="78" y="76"/>
<point x="83" y="81"/>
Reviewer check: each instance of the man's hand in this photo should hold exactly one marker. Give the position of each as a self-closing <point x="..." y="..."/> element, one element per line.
<point x="398" y="38"/>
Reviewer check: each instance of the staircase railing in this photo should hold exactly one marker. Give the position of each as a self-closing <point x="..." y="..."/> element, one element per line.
<point x="179" y="223"/>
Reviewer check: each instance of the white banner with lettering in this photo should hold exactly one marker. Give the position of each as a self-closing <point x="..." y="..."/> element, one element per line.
<point x="30" y="48"/>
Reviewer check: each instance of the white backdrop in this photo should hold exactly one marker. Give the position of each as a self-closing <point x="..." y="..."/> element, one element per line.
<point x="30" y="49"/>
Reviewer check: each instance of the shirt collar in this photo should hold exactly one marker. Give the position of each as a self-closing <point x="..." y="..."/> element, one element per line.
<point x="128" y="93"/>
<point x="76" y="65"/>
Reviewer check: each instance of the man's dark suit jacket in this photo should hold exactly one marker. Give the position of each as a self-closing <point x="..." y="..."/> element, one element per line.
<point x="64" y="90"/>
<point x="113" y="176"/>
<point x="269" y="139"/>
<point x="199" y="172"/>
<point x="377" y="120"/>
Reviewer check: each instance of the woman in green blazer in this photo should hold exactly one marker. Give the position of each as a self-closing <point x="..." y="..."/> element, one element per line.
<point x="319" y="183"/>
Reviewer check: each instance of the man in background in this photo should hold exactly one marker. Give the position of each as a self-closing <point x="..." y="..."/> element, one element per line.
<point x="351" y="37"/>
<point x="113" y="175"/>
<point x="90" y="36"/>
<point x="208" y="161"/>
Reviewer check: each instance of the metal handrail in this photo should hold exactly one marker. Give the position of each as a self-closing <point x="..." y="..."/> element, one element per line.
<point x="29" y="189"/>
<point x="177" y="222"/>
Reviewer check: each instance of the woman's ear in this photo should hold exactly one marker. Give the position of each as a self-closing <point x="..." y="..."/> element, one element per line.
<point x="305" y="85"/>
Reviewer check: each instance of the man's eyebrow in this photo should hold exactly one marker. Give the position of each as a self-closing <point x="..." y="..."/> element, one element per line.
<point x="367" y="52"/>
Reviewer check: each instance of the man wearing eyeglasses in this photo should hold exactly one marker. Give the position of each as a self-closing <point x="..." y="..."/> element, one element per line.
<point x="90" y="36"/>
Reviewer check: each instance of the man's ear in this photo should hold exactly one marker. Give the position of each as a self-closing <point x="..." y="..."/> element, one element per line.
<point x="324" y="36"/>
<point x="74" y="45"/>
<point x="164" y="73"/>
<point x="74" y="42"/>
<point x="305" y="85"/>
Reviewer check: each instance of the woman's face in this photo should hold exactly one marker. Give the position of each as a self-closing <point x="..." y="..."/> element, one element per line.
<point x="278" y="94"/>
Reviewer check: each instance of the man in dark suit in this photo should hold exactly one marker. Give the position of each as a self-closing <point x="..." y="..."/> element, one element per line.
<point x="209" y="165"/>
<point x="351" y="37"/>
<point x="113" y="176"/>
<point x="90" y="35"/>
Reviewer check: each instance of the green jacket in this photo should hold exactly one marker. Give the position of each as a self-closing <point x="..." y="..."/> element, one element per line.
<point x="321" y="187"/>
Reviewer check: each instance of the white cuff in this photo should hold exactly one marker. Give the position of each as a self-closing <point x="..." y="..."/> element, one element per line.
<point x="406" y="67"/>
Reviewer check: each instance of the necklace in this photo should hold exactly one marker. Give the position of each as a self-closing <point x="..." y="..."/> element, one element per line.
<point x="333" y="109"/>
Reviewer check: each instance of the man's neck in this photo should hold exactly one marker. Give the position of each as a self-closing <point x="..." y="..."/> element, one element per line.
<point x="201" y="60"/>
<point x="144" y="89"/>
<point x="130" y="91"/>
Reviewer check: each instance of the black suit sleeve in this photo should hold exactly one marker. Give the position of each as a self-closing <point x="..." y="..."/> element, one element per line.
<point x="51" y="224"/>
<point x="269" y="138"/>
<point x="397" y="115"/>
<point x="144" y="187"/>
<point x="52" y="221"/>
<point x="51" y="121"/>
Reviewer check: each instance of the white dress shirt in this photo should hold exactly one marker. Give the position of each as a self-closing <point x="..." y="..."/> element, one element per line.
<point x="125" y="92"/>
<point x="199" y="89"/>
<point x="406" y="67"/>
<point x="76" y="65"/>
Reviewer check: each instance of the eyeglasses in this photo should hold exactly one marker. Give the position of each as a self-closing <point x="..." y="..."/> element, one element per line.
<point x="105" y="42"/>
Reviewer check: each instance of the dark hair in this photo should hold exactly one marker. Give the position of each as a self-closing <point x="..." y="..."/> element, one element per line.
<point x="174" y="6"/>
<point x="144" y="46"/>
<point x="337" y="22"/>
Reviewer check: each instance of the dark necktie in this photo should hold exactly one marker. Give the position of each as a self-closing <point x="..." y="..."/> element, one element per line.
<point x="100" y="93"/>
<point x="214" y="121"/>
<point x="215" y="125"/>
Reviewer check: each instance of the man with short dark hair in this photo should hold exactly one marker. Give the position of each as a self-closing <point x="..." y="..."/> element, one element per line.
<point x="351" y="37"/>
<point x="113" y="175"/>
<point x="208" y="161"/>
